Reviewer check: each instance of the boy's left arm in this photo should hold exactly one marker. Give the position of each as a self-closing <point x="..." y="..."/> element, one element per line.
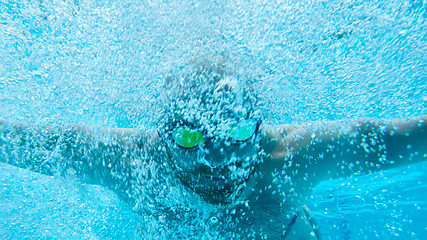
<point x="368" y="145"/>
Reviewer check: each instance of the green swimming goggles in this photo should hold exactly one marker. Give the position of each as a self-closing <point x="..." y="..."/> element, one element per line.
<point x="187" y="137"/>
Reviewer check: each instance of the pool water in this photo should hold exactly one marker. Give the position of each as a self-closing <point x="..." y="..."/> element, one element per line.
<point x="389" y="205"/>
<point x="103" y="63"/>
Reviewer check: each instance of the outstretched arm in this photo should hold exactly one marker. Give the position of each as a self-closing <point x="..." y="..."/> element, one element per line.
<point x="338" y="149"/>
<point x="372" y="145"/>
<point x="95" y="155"/>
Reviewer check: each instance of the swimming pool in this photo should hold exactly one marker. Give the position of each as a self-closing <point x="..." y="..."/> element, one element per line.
<point x="87" y="62"/>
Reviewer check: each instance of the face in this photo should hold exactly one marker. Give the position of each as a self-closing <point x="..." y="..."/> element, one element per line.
<point x="211" y="130"/>
<point x="214" y="161"/>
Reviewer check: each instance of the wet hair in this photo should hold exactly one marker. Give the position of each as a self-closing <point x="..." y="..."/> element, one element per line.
<point x="208" y="92"/>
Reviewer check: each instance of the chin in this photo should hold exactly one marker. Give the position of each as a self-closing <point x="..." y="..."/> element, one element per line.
<point x="216" y="196"/>
<point x="215" y="190"/>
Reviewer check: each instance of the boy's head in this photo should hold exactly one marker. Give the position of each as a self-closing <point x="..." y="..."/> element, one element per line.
<point x="211" y="123"/>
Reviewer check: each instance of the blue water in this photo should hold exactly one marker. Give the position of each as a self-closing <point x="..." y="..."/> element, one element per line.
<point x="102" y="62"/>
<point x="387" y="205"/>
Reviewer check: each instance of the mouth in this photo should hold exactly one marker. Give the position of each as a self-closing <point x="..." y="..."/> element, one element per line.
<point x="212" y="180"/>
<point x="212" y="177"/>
<point x="215" y="188"/>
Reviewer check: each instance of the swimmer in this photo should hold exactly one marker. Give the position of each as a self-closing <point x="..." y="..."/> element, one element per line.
<point x="211" y="138"/>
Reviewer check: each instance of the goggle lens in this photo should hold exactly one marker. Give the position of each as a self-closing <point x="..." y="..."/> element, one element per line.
<point x="243" y="130"/>
<point x="187" y="138"/>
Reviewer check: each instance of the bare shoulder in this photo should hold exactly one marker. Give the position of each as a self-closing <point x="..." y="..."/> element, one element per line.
<point x="150" y="135"/>
<point x="144" y="139"/>
<point x="126" y="137"/>
<point x="278" y="141"/>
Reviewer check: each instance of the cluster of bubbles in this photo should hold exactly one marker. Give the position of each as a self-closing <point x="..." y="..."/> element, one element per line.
<point x="105" y="62"/>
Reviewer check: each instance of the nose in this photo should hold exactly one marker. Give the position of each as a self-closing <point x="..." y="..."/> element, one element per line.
<point x="216" y="153"/>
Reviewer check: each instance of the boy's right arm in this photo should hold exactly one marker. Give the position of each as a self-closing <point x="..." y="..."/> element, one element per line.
<point x="96" y="155"/>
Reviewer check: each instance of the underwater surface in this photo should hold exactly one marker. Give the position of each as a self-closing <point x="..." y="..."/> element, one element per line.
<point x="103" y="63"/>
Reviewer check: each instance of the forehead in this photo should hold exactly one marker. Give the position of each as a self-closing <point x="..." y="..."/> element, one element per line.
<point x="207" y="98"/>
<point x="217" y="114"/>
<point x="210" y="102"/>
